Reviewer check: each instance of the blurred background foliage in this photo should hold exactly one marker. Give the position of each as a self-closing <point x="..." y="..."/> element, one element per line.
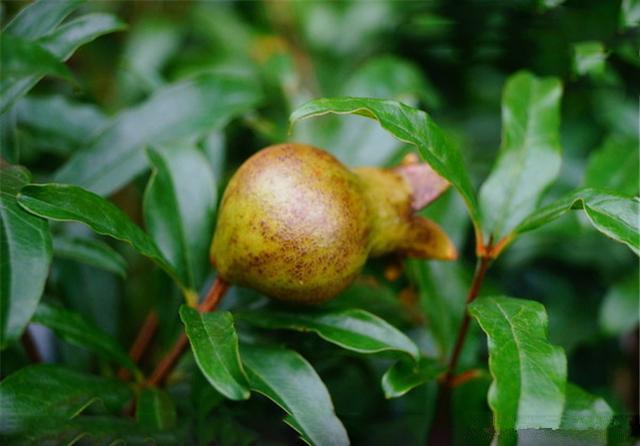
<point x="448" y="58"/>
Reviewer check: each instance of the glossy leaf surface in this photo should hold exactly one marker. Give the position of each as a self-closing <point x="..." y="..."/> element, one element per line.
<point x="214" y="343"/>
<point x="529" y="374"/>
<point x="288" y="380"/>
<point x="352" y="329"/>
<point x="404" y="376"/>
<point x="90" y="252"/>
<point x="530" y="154"/>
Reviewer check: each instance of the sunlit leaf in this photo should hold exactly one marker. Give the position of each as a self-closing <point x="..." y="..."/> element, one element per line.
<point x="214" y="343"/>
<point x="529" y="374"/>
<point x="589" y="58"/>
<point x="288" y="380"/>
<point x="197" y="106"/>
<point x="409" y="125"/>
<point x="74" y="329"/>
<point x="530" y="154"/>
<point x="25" y="250"/>
<point x="614" y="215"/>
<point x="179" y="206"/>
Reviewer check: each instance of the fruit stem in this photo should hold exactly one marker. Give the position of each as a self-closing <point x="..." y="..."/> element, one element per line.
<point x="142" y="341"/>
<point x="167" y="363"/>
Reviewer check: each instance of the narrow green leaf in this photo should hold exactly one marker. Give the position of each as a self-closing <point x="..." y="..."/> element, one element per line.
<point x="404" y="376"/>
<point x="62" y="43"/>
<point x="589" y="58"/>
<point x="352" y="329"/>
<point x="288" y="380"/>
<point x="614" y="215"/>
<point x="530" y="154"/>
<point x="409" y="125"/>
<point x="44" y="391"/>
<point x="529" y="374"/>
<point x="197" y="106"/>
<point x="619" y="310"/>
<point x="25" y="250"/>
<point x="63" y="202"/>
<point x="585" y="412"/>
<point x="74" y="329"/>
<point x="214" y="343"/>
<point x="91" y="252"/>
<point x="156" y="410"/>
<point x="614" y="166"/>
<point x="40" y="17"/>
<point x="179" y="208"/>
<point x="21" y="58"/>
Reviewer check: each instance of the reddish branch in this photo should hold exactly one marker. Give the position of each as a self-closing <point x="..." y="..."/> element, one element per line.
<point x="145" y="335"/>
<point x="168" y="362"/>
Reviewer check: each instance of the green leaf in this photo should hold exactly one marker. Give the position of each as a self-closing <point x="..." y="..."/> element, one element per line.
<point x="619" y="310"/>
<point x="74" y="329"/>
<point x="21" y="58"/>
<point x="179" y="208"/>
<point x="613" y="215"/>
<point x="589" y="58"/>
<point x="91" y="252"/>
<point x="530" y="154"/>
<point x="40" y="17"/>
<point x="529" y="374"/>
<point x="62" y="43"/>
<point x="25" y="250"/>
<point x="156" y="410"/>
<point x="614" y="166"/>
<point x="404" y="376"/>
<point x="44" y="391"/>
<point x="63" y="202"/>
<point x="288" y="380"/>
<point x="352" y="329"/>
<point x="630" y="13"/>
<point x="197" y="106"/>
<point x="585" y="412"/>
<point x="409" y="125"/>
<point x="214" y="343"/>
<point x="58" y="123"/>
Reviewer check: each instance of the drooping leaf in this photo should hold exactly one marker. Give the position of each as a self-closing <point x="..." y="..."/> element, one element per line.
<point x="214" y="343"/>
<point x="614" y="215"/>
<point x="529" y="374"/>
<point x="288" y="380"/>
<point x="404" y="376"/>
<point x="62" y="43"/>
<point x="40" y="17"/>
<point x="619" y="310"/>
<point x="589" y="58"/>
<point x="197" y="106"/>
<point x="47" y="391"/>
<point x="25" y="250"/>
<point x="530" y="154"/>
<point x="409" y="125"/>
<point x="22" y="58"/>
<point x="155" y="409"/>
<point x="91" y="252"/>
<point x="179" y="206"/>
<point x="63" y="202"/>
<point x="351" y="328"/>
<point x="614" y="166"/>
<point x="74" y="329"/>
